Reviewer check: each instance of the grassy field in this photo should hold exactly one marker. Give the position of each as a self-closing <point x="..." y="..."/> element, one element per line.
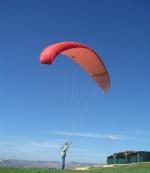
<point x="139" y="168"/>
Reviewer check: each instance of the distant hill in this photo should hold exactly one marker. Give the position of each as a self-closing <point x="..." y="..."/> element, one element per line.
<point x="41" y="164"/>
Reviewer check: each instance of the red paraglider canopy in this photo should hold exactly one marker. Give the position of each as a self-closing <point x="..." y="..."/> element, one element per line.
<point x="86" y="57"/>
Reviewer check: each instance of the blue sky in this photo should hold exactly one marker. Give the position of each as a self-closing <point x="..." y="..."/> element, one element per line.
<point x="41" y="106"/>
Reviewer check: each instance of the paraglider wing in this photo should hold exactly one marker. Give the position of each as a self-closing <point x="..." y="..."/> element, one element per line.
<point x="86" y="57"/>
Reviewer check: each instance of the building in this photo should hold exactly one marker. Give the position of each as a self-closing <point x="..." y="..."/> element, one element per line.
<point x="129" y="157"/>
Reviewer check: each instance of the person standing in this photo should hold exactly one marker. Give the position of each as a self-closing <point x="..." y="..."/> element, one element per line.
<point x="64" y="150"/>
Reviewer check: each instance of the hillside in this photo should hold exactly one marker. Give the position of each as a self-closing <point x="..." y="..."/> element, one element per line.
<point x="133" y="168"/>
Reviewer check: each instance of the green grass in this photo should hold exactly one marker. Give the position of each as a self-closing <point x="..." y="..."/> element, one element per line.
<point x="139" y="168"/>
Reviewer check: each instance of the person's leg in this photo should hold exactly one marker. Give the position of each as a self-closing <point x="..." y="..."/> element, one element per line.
<point x="63" y="163"/>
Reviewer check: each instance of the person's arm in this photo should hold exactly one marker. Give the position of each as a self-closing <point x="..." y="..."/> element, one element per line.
<point x="66" y="147"/>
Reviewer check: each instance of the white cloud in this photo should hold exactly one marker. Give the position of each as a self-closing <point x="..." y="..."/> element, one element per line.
<point x="113" y="137"/>
<point x="44" y="145"/>
<point x="88" y="135"/>
<point x="35" y="144"/>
